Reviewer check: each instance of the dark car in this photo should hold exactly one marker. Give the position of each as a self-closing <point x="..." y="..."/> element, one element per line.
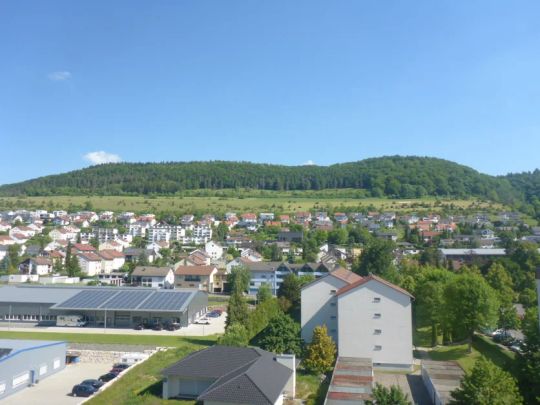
<point x="157" y="326"/>
<point x="93" y="383"/>
<point x="108" y="377"/>
<point x="118" y="368"/>
<point x="139" y="327"/>
<point x="213" y="314"/>
<point x="172" y="326"/>
<point x="82" y="390"/>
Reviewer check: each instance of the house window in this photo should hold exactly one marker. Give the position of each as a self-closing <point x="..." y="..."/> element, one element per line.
<point x="333" y="317"/>
<point x="377" y="331"/>
<point x="377" y="316"/>
<point x="332" y="291"/>
<point x="333" y="304"/>
<point x="332" y="331"/>
<point x="377" y="348"/>
<point x="377" y="299"/>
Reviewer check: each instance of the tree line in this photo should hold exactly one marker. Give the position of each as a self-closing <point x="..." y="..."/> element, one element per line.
<point x="394" y="176"/>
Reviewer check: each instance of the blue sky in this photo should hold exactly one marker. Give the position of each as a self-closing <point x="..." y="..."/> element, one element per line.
<point x="276" y="81"/>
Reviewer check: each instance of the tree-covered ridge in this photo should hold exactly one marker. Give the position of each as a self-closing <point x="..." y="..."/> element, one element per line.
<point x="394" y="176"/>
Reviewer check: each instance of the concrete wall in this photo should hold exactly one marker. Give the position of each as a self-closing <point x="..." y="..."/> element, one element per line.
<point x="358" y="322"/>
<point x="30" y="366"/>
<point x="319" y="306"/>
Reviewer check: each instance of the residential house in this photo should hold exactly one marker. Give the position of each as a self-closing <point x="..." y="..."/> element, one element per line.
<point x="6" y="240"/>
<point x="135" y="254"/>
<point x="111" y="245"/>
<point x="214" y="250"/>
<point x="201" y="277"/>
<point x="156" y="277"/>
<point x="368" y="317"/>
<point x="114" y="259"/>
<point x="36" y="265"/>
<point x="228" y="375"/>
<point x="90" y="263"/>
<point x="289" y="236"/>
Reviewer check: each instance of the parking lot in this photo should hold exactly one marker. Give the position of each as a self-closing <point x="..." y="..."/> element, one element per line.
<point x="56" y="389"/>
<point x="216" y="326"/>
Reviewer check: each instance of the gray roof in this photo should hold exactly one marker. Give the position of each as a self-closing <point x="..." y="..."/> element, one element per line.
<point x="242" y="375"/>
<point x="151" y="271"/>
<point x="477" y="252"/>
<point x="102" y="298"/>
<point x="36" y="295"/>
<point x="12" y="347"/>
<point x="134" y="299"/>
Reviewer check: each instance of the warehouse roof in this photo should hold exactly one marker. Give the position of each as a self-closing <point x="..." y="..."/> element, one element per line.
<point x="142" y="299"/>
<point x="101" y="298"/>
<point x="12" y="347"/>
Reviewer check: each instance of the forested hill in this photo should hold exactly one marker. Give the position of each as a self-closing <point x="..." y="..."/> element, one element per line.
<point x="403" y="177"/>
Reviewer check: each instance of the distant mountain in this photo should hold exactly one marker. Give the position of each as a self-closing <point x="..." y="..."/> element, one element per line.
<point x="392" y="176"/>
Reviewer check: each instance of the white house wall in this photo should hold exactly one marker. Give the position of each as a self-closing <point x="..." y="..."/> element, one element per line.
<point x="357" y="323"/>
<point x="317" y="306"/>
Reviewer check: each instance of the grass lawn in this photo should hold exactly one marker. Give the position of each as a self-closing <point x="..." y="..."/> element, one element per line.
<point x="310" y="389"/>
<point x="220" y="201"/>
<point x="481" y="346"/>
<point x="143" y="384"/>
<point x="105" y="338"/>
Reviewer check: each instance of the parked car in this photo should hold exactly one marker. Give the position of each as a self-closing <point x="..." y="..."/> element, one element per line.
<point x="516" y="347"/>
<point x="139" y="327"/>
<point x="157" y="326"/>
<point x="108" y="377"/>
<point x="81" y="390"/>
<point x="214" y="314"/>
<point x="93" y="383"/>
<point x="202" y="321"/>
<point x="172" y="326"/>
<point x="119" y="367"/>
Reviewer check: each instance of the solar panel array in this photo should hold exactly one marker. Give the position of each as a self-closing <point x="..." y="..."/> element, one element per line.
<point x="88" y="299"/>
<point x="130" y="300"/>
<point x="126" y="300"/>
<point x="166" y="301"/>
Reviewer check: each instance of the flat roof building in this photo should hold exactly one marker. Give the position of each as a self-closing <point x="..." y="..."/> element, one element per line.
<point x="25" y="362"/>
<point x="440" y="379"/>
<point x="102" y="306"/>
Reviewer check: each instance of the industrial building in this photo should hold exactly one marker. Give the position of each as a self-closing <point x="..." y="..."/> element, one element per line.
<point x="26" y="362"/>
<point x="102" y="306"/>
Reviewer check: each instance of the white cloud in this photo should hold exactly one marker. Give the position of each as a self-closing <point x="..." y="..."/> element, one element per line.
<point x="100" y="157"/>
<point x="309" y="163"/>
<point x="59" y="76"/>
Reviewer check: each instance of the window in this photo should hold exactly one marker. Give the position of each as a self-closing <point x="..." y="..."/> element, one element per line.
<point x="377" y="316"/>
<point x="377" y="331"/>
<point x="20" y="379"/>
<point x="56" y="363"/>
<point x="2" y="387"/>
<point x="333" y="317"/>
<point x="333" y="304"/>
<point x="43" y="369"/>
<point x="377" y="299"/>
<point x="332" y="330"/>
<point x="332" y="291"/>
<point x="377" y="348"/>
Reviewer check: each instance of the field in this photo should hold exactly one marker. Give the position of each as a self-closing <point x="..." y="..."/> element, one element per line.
<point x="148" y="340"/>
<point x="218" y="202"/>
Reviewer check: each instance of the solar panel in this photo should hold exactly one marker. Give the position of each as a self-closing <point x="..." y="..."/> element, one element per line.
<point x="126" y="300"/>
<point x="166" y="301"/>
<point x="87" y="299"/>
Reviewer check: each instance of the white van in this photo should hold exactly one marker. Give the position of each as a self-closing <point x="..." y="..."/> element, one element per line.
<point x="70" y="320"/>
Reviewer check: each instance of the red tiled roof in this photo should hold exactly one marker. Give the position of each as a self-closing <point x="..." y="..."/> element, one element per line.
<point x="369" y="278"/>
<point x="345" y="275"/>
<point x="84" y="247"/>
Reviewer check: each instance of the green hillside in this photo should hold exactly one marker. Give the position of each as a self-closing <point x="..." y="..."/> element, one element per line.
<point x="401" y="177"/>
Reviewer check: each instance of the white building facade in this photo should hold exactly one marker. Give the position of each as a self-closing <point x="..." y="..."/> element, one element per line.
<point x="367" y="317"/>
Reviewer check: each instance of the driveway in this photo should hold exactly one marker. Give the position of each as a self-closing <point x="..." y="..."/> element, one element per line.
<point x="55" y="389"/>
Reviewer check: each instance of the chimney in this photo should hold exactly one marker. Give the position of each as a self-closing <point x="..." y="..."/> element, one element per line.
<point x="289" y="361"/>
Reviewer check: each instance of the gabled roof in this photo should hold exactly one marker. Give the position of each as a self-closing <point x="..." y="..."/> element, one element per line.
<point x="151" y="271"/>
<point x="345" y="275"/>
<point x="369" y="278"/>
<point x="242" y="375"/>
<point x="194" y="270"/>
<point x="90" y="256"/>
